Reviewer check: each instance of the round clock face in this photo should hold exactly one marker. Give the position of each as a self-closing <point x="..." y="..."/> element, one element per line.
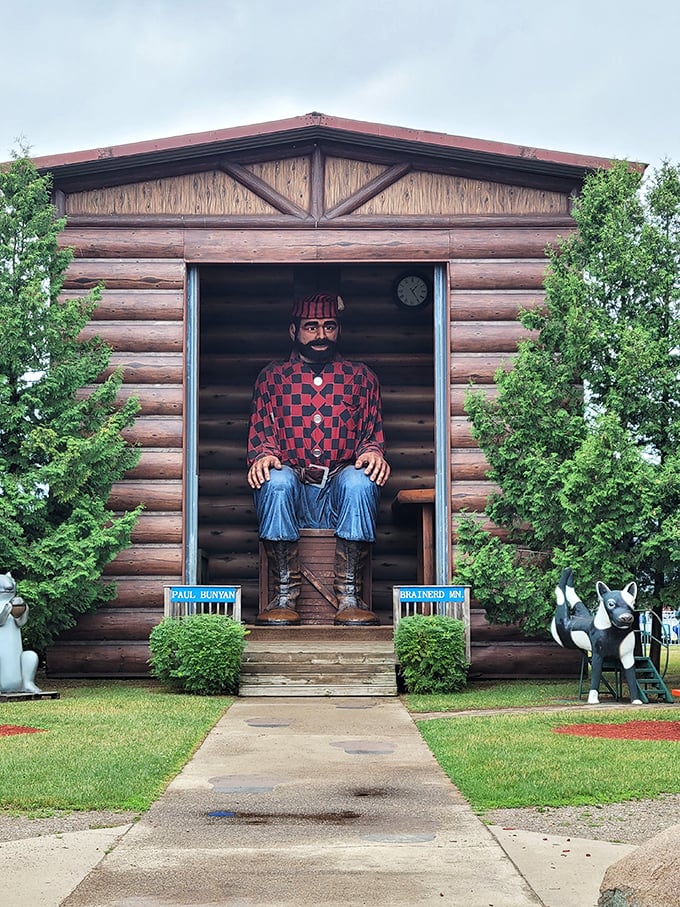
<point x="412" y="291"/>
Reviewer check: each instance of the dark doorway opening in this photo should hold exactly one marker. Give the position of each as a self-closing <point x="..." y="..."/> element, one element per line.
<point x="244" y="318"/>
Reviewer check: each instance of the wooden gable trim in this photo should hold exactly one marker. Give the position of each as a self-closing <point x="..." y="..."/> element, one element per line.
<point x="369" y="191"/>
<point x="264" y="190"/>
<point x="97" y="222"/>
<point x="395" y="195"/>
<point x="419" y="193"/>
<point x="317" y="166"/>
<point x="213" y="192"/>
<point x="471" y="167"/>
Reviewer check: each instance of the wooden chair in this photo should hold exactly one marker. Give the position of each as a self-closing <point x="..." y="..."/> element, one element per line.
<point x="420" y="501"/>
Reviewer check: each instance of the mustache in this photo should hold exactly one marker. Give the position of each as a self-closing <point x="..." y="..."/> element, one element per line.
<point x="317" y="350"/>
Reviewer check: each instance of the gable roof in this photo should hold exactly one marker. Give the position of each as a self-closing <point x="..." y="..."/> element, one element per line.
<point x="311" y="128"/>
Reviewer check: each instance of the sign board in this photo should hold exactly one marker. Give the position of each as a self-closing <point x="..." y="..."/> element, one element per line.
<point x="203" y="593"/>
<point x="432" y="593"/>
<point x="183" y="600"/>
<point x="449" y="601"/>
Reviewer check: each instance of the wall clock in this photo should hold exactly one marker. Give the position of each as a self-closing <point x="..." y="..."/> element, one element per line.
<point x="411" y="291"/>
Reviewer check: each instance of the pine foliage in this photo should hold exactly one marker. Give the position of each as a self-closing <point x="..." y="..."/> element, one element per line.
<point x="61" y="449"/>
<point x="584" y="436"/>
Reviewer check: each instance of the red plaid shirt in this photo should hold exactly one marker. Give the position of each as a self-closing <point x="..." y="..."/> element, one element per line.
<point x="305" y="417"/>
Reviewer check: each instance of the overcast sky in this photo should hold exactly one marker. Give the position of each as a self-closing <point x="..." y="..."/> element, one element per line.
<point x="599" y="77"/>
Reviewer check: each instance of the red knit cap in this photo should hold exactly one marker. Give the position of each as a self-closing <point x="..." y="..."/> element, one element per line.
<point x="319" y="305"/>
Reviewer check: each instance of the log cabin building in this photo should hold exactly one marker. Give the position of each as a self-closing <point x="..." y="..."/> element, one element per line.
<point x="202" y="242"/>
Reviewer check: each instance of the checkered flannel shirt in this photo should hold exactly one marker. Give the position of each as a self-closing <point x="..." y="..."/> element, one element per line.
<point x="322" y="418"/>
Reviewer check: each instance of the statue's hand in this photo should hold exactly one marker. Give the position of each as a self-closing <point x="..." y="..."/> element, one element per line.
<point x="19" y="610"/>
<point x="376" y="467"/>
<point x="258" y="473"/>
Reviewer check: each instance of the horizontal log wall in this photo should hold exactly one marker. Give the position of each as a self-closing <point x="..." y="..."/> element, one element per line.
<point x="484" y="337"/>
<point x="486" y="297"/>
<point x="140" y="317"/>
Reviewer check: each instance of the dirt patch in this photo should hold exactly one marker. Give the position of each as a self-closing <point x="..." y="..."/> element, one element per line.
<point x="7" y="730"/>
<point x="627" y="730"/>
<point x="629" y="823"/>
<point x="15" y="828"/>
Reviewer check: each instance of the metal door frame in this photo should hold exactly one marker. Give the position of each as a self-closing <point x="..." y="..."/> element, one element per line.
<point x="442" y="410"/>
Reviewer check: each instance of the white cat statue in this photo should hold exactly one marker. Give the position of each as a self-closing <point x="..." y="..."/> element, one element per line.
<point x="17" y="668"/>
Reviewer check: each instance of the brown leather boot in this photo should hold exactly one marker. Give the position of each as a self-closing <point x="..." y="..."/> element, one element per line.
<point x="350" y="558"/>
<point x="284" y="560"/>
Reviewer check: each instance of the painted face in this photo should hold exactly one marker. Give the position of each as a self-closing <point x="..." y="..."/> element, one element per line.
<point x="618" y="604"/>
<point x="316" y="340"/>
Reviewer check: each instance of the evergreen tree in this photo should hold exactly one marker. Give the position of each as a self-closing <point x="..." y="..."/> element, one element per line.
<point x="60" y="449"/>
<point x="583" y="439"/>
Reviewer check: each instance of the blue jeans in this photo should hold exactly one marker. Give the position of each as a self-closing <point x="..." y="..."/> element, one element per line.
<point x="348" y="504"/>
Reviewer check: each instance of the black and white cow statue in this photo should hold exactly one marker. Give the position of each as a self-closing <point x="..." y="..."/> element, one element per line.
<point x="609" y="633"/>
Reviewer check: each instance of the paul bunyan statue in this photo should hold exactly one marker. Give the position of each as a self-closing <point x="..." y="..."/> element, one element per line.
<point x="17" y="668"/>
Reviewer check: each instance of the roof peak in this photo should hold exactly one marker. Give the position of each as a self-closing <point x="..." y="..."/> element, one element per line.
<point x="296" y="128"/>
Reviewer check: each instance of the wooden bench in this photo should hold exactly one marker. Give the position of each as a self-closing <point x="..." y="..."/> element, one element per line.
<point x="422" y="501"/>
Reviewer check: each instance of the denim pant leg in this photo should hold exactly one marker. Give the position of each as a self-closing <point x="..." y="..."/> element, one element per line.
<point x="277" y="505"/>
<point x="354" y="499"/>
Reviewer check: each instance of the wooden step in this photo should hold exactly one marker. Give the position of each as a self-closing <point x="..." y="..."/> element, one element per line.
<point x="318" y="668"/>
<point x="318" y="687"/>
<point x="324" y="633"/>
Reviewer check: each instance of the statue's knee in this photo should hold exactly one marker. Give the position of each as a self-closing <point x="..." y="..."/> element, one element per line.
<point x="281" y="481"/>
<point x="282" y="485"/>
<point x="352" y="481"/>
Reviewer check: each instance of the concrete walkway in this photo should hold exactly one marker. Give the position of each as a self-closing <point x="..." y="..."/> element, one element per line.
<point x="308" y="802"/>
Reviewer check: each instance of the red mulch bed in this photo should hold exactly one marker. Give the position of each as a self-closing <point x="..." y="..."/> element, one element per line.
<point x="629" y="730"/>
<point x="6" y="730"/>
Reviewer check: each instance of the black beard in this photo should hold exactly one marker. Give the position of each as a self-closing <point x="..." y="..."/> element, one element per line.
<point x="308" y="352"/>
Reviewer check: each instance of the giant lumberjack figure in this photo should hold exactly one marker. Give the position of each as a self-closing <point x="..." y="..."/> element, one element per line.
<point x="316" y="460"/>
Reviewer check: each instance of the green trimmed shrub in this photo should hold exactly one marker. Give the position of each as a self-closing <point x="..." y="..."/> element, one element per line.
<point x="431" y="653"/>
<point x="198" y="654"/>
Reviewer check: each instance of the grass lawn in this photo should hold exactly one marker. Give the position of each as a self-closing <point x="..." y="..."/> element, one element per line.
<point x="513" y="760"/>
<point x="503" y="761"/>
<point x="115" y="745"/>
<point x="107" y="745"/>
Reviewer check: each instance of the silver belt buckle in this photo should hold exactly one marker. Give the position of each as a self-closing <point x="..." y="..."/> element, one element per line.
<point x="324" y="470"/>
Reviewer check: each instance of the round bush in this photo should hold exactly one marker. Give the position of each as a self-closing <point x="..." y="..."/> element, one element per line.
<point x="431" y="653"/>
<point x="199" y="654"/>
